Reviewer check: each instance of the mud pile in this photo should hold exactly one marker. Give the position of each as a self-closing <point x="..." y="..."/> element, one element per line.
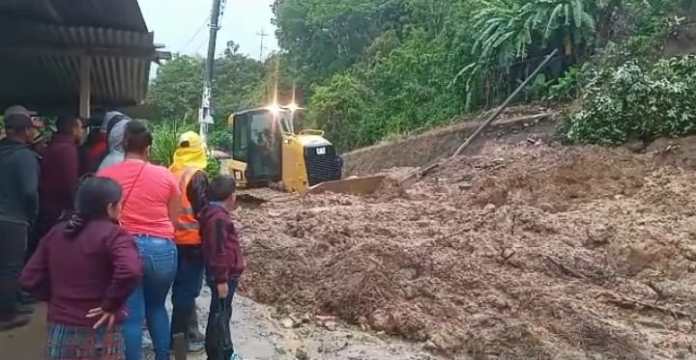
<point x="526" y="252"/>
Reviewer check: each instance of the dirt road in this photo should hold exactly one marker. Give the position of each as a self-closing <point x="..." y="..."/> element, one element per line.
<point x="27" y="342"/>
<point x="258" y="333"/>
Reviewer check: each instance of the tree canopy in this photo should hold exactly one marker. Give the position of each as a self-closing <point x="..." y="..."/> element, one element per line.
<point x="368" y="69"/>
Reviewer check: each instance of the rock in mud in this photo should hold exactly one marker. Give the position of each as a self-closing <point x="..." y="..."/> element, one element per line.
<point x="330" y="325"/>
<point x="301" y="354"/>
<point x="287" y="323"/>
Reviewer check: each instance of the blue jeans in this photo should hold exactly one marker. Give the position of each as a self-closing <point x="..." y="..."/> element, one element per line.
<point x="187" y="287"/>
<point x="147" y="301"/>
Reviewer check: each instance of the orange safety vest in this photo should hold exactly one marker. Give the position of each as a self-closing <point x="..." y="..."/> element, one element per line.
<point x="186" y="227"/>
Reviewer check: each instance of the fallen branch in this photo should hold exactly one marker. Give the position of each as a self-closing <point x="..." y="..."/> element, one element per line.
<point x="660" y="294"/>
<point x="507" y="257"/>
<point x="633" y="304"/>
<point x="566" y="270"/>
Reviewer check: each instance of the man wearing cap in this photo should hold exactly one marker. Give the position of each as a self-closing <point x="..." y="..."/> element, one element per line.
<point x="19" y="204"/>
<point x="189" y="163"/>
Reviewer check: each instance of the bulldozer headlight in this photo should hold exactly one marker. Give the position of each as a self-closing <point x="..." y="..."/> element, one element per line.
<point x="274" y="109"/>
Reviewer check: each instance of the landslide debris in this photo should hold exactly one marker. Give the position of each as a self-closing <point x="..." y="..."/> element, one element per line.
<point x="526" y="251"/>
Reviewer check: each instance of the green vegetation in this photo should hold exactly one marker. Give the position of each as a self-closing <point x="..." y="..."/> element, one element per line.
<point x="166" y="137"/>
<point x="635" y="101"/>
<point x="371" y="69"/>
<point x="176" y="96"/>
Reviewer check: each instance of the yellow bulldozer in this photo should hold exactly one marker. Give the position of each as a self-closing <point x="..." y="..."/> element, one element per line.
<point x="267" y="153"/>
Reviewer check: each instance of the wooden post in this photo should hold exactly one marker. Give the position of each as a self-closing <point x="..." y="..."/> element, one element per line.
<point x="85" y="86"/>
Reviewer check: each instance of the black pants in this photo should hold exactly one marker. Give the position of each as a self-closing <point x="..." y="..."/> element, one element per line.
<point x="218" y="340"/>
<point x="13" y="244"/>
<point x="186" y="288"/>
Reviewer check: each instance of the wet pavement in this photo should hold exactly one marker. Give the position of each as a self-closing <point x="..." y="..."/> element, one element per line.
<point x="257" y="334"/>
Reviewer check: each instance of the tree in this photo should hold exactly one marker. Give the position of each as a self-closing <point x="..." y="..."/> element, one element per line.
<point x="176" y="91"/>
<point x="372" y="68"/>
<point x="507" y="29"/>
<point x="511" y="37"/>
<point x="325" y="37"/>
<point x="236" y="77"/>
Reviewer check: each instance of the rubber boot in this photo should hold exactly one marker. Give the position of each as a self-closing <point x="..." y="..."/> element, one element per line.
<point x="196" y="340"/>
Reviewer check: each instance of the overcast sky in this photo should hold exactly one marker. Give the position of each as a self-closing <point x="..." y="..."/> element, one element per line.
<point x="182" y="25"/>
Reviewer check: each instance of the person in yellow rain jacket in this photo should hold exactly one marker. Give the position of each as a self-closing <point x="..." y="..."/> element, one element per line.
<point x="188" y="166"/>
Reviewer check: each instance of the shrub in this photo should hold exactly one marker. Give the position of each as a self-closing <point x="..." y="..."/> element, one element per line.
<point x="565" y="88"/>
<point x="637" y="101"/>
<point x="166" y="136"/>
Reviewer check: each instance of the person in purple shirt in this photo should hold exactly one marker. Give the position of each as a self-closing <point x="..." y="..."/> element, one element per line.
<point x="60" y="171"/>
<point x="86" y="268"/>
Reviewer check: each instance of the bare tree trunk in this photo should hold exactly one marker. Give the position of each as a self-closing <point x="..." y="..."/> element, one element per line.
<point x="605" y="20"/>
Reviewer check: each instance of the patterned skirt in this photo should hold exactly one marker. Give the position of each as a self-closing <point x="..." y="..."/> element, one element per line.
<point x="80" y="343"/>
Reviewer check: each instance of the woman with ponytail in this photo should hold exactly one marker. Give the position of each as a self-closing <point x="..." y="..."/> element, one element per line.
<point x="86" y="268"/>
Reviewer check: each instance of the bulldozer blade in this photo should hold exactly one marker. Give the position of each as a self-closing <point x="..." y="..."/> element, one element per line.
<point x="354" y="186"/>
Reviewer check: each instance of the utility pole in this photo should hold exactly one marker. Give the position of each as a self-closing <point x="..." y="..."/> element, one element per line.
<point x="205" y="114"/>
<point x="262" y="34"/>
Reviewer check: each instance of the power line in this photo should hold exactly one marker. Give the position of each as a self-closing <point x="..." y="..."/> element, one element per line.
<point x="262" y="34"/>
<point x="195" y="35"/>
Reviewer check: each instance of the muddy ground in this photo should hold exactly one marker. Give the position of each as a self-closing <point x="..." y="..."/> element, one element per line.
<point x="527" y="250"/>
<point x="262" y="333"/>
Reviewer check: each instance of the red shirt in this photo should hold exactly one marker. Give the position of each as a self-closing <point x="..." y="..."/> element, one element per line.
<point x="95" y="153"/>
<point x="99" y="267"/>
<point x="147" y="190"/>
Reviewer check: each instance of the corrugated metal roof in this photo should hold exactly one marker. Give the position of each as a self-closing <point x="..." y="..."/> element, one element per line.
<point x="115" y="14"/>
<point x="40" y="57"/>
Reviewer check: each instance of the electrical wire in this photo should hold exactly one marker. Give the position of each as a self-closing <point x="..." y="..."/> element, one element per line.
<point x="195" y="35"/>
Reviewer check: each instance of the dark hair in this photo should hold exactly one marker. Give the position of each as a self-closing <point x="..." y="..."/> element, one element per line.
<point x="91" y="202"/>
<point x="66" y="123"/>
<point x="137" y="138"/>
<point x="113" y="122"/>
<point x="197" y="192"/>
<point x="221" y="188"/>
<point x="17" y="123"/>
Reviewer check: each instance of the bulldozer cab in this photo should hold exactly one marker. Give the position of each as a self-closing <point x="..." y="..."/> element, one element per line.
<point x="267" y="153"/>
<point x="257" y="142"/>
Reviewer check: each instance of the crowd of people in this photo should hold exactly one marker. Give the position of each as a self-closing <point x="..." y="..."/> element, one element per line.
<point x="102" y="235"/>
